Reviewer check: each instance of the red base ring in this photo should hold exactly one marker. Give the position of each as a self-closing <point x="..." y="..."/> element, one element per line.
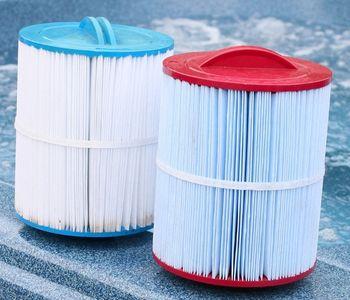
<point x="233" y="283"/>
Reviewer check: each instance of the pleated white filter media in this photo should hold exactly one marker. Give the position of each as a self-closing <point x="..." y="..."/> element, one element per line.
<point x="239" y="184"/>
<point x="86" y="139"/>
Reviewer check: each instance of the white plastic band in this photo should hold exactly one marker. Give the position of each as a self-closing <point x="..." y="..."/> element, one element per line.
<point x="85" y="143"/>
<point x="239" y="185"/>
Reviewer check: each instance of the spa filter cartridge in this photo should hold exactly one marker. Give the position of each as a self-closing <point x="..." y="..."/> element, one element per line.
<point x="240" y="166"/>
<point x="87" y="126"/>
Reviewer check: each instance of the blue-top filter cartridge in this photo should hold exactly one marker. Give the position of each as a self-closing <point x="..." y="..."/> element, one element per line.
<point x="87" y="126"/>
<point x="241" y="160"/>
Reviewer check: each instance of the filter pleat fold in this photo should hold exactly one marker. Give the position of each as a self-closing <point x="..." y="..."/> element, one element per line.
<point x="239" y="180"/>
<point x="87" y="132"/>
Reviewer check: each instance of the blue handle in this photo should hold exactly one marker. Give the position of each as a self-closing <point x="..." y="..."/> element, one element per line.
<point x="100" y="28"/>
<point x="107" y="30"/>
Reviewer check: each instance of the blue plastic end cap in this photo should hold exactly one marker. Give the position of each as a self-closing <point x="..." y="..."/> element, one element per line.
<point x="86" y="234"/>
<point x="95" y="37"/>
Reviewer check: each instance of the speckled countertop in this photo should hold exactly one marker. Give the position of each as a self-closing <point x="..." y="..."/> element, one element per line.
<point x="37" y="265"/>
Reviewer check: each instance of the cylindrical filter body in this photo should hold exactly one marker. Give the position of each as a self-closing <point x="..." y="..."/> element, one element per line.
<point x="240" y="166"/>
<point x="87" y="126"/>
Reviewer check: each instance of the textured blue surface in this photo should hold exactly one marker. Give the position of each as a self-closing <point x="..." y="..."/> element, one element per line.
<point x="124" y="267"/>
<point x="34" y="264"/>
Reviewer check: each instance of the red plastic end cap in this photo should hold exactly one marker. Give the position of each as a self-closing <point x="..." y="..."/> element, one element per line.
<point x="233" y="283"/>
<point x="247" y="68"/>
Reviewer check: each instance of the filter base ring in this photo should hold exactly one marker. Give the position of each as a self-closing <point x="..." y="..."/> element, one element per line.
<point x="87" y="234"/>
<point x="233" y="283"/>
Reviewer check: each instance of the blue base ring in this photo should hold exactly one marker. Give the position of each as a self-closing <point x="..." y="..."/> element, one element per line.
<point x="86" y="234"/>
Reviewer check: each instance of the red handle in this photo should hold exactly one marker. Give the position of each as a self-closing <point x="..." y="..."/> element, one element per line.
<point x="248" y="57"/>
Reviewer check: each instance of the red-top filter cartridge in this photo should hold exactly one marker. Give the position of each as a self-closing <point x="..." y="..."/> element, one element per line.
<point x="240" y="161"/>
